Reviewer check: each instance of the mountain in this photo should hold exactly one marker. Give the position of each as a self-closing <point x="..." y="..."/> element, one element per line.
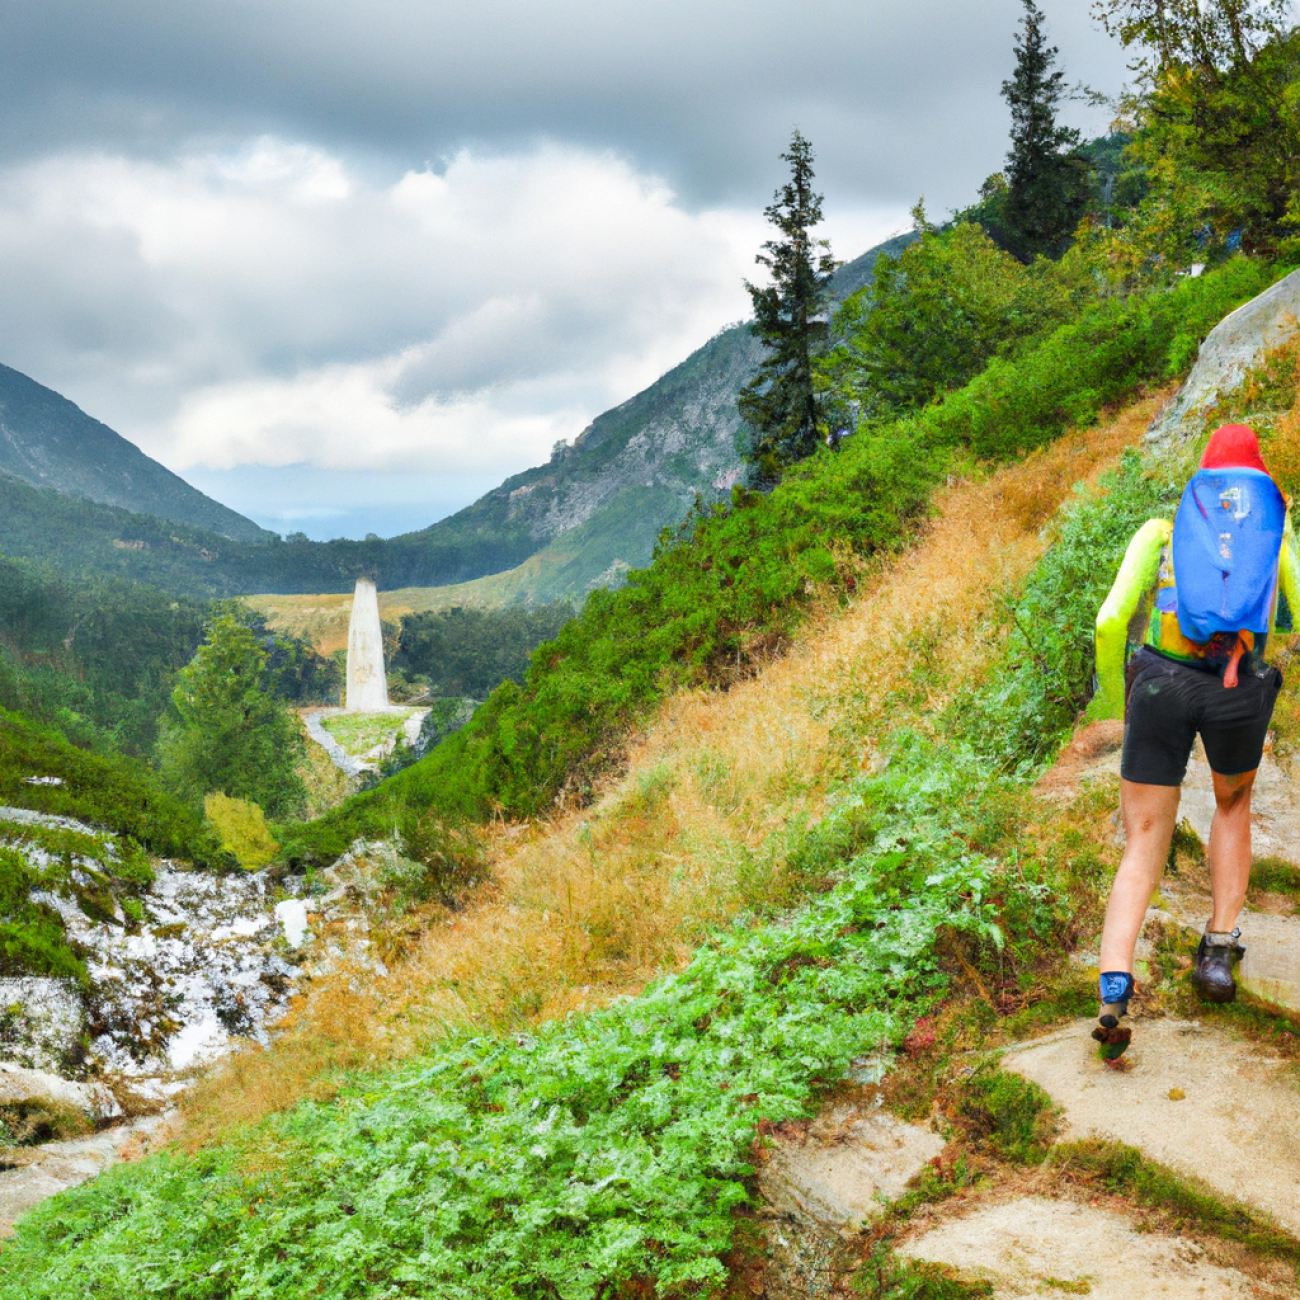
<point x="595" y="509"/>
<point x="48" y="441"/>
<point x="74" y="493"/>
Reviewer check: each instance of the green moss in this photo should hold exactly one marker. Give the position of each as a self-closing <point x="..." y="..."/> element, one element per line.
<point x="359" y="733"/>
<point x="1125" y="1170"/>
<point x="1275" y="876"/>
<point x="1015" y="1117"/>
<point x="241" y="829"/>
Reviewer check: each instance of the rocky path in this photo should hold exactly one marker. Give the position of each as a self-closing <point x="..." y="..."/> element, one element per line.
<point x="33" y="1174"/>
<point x="1194" y="1097"/>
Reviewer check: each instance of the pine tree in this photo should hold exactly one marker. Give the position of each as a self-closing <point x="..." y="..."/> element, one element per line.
<point x="1046" y="178"/>
<point x="230" y="733"/>
<point x="780" y="404"/>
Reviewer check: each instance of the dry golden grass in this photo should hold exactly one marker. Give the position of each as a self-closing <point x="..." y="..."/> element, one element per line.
<point x="592" y="904"/>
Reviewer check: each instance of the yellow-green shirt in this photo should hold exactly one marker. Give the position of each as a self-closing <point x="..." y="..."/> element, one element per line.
<point x="1129" y="616"/>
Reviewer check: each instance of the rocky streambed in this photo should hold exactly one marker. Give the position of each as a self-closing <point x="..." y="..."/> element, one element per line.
<point x="170" y="968"/>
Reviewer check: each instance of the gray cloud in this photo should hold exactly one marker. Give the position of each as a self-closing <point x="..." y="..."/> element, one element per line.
<point x="898" y="97"/>
<point x="359" y="246"/>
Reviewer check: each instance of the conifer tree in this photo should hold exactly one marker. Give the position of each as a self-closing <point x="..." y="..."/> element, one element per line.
<point x="1046" y="178"/>
<point x="230" y="733"/>
<point x="780" y="404"/>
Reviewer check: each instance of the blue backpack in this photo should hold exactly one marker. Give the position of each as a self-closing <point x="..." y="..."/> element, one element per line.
<point x="1227" y="539"/>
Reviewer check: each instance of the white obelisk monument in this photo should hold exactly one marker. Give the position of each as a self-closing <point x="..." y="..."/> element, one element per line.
<point x="367" y="683"/>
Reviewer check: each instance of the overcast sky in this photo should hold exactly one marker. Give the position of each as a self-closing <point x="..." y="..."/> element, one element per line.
<point x="347" y="265"/>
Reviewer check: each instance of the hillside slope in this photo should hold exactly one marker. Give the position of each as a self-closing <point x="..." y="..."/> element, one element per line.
<point x="49" y="442"/>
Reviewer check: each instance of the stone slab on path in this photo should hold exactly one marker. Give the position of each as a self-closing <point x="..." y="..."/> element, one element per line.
<point x="1030" y="1245"/>
<point x="1270" y="970"/>
<point x="1236" y="1129"/>
<point x="835" y="1183"/>
<point x="821" y="1182"/>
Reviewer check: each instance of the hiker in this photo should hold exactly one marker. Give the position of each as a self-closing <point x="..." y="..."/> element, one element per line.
<point x="1200" y="595"/>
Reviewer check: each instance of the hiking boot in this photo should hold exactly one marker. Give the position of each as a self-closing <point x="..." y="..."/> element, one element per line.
<point x="1116" y="988"/>
<point x="1212" y="977"/>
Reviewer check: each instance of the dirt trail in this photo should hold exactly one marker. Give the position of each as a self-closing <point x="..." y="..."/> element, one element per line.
<point x="36" y="1173"/>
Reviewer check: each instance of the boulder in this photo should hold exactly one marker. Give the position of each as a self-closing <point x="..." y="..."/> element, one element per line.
<point x="822" y="1184"/>
<point x="22" y="1087"/>
<point x="1233" y="348"/>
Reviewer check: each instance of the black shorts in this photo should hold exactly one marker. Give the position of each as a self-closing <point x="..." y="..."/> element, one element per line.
<point x="1170" y="702"/>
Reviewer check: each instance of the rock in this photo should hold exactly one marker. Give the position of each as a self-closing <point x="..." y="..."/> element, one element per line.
<point x="1234" y="347"/>
<point x="45" y="1171"/>
<point x="41" y="1020"/>
<point x="1237" y="1130"/>
<point x="19" y="1086"/>
<point x="292" y="916"/>
<point x="819" y="1191"/>
<point x="833" y="1185"/>
<point x="1270" y="970"/>
<point x="1035" y="1245"/>
<point x="1274" y="805"/>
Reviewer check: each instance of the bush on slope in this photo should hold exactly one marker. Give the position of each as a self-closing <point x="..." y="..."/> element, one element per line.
<point x="41" y="771"/>
<point x="734" y="585"/>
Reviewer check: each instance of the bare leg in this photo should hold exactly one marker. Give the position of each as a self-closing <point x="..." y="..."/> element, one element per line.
<point x="1149" y="812"/>
<point x="1230" y="848"/>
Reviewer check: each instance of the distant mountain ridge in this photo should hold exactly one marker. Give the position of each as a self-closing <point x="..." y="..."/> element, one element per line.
<point x="50" y="442"/>
<point x="580" y="521"/>
<point x="637" y="468"/>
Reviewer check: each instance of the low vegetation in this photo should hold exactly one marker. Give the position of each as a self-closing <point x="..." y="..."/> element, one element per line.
<point x="99" y="874"/>
<point x="41" y="770"/>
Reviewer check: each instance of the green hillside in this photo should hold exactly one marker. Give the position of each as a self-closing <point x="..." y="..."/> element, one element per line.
<point x="47" y="441"/>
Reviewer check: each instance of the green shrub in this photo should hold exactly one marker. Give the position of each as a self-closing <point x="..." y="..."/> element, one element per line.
<point x="1114" y="347"/>
<point x="1045" y="676"/>
<point x="466" y="651"/>
<point x="935" y="316"/>
<point x="241" y="830"/>
<point x="114" y="792"/>
<point x="228" y="730"/>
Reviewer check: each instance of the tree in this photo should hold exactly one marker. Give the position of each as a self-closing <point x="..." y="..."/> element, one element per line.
<point x="1046" y="179"/>
<point x="1209" y="35"/>
<point x="1218" y="106"/>
<point x="934" y="317"/>
<point x="230" y="733"/>
<point x="780" y="404"/>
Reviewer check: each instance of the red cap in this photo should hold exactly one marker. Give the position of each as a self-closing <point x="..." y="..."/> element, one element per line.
<point x="1233" y="446"/>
